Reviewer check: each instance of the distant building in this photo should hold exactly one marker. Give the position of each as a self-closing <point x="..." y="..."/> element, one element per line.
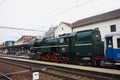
<point x="25" y="39"/>
<point x="108" y="22"/>
<point x="63" y="28"/>
<point x="1" y="46"/>
<point x="18" y="47"/>
<point x="50" y="33"/>
<point x="9" y="43"/>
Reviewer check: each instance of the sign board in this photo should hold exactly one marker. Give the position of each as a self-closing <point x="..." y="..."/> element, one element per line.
<point x="35" y="75"/>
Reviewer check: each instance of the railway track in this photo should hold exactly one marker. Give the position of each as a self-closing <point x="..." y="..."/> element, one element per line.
<point x="4" y="76"/>
<point x="61" y="73"/>
<point x="26" y="57"/>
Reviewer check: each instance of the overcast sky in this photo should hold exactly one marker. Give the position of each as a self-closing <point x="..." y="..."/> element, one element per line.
<point x="42" y="14"/>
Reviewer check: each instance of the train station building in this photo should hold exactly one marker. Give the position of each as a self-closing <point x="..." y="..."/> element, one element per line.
<point x="19" y="47"/>
<point x="107" y="23"/>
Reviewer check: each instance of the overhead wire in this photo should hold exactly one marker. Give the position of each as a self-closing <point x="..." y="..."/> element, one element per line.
<point x="78" y="5"/>
<point x="4" y="27"/>
<point x="62" y="12"/>
<point x="59" y="13"/>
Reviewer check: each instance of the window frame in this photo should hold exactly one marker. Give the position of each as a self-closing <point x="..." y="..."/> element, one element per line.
<point x="113" y="28"/>
<point x="118" y="42"/>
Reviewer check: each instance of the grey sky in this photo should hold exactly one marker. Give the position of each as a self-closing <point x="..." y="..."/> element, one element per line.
<point x="42" y="14"/>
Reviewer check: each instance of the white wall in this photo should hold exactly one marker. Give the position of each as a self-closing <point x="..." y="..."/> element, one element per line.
<point x="61" y="29"/>
<point x="104" y="27"/>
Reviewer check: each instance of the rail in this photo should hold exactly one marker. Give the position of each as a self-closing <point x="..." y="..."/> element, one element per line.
<point x="6" y="77"/>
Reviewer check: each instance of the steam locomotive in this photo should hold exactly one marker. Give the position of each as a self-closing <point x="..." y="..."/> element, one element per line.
<point x="82" y="47"/>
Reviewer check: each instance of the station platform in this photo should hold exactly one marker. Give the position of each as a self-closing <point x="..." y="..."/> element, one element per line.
<point x="12" y="55"/>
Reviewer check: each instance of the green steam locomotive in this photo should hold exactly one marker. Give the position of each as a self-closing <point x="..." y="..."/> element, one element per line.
<point x="82" y="47"/>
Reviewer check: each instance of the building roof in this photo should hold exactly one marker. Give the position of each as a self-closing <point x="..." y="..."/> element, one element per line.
<point x="26" y="38"/>
<point x="1" y="46"/>
<point x="68" y="24"/>
<point x="98" y="18"/>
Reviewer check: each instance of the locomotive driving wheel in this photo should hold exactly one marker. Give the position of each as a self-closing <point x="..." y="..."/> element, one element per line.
<point x="55" y="58"/>
<point x="48" y="56"/>
<point x="42" y="57"/>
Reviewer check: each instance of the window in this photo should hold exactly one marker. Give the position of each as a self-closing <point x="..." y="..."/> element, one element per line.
<point x="118" y="42"/>
<point x="113" y="28"/>
<point x="62" y="28"/>
<point x="66" y="39"/>
<point x="97" y="28"/>
<point x="109" y="43"/>
<point x="61" y="40"/>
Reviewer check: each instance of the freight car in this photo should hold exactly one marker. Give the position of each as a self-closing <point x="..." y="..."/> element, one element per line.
<point x="82" y="47"/>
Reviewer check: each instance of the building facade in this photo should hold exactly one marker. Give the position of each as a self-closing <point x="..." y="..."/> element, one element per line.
<point x="25" y="39"/>
<point x="63" y="28"/>
<point x="50" y="33"/>
<point x="107" y="23"/>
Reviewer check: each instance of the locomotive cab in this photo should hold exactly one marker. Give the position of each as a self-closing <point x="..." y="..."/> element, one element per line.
<point x="66" y="43"/>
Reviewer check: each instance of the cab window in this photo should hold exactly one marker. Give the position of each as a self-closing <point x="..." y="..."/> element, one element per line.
<point x="64" y="40"/>
<point x="61" y="40"/>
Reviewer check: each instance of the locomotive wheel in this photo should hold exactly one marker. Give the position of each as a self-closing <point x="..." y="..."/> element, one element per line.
<point x="63" y="59"/>
<point x="48" y="56"/>
<point x="77" y="61"/>
<point x="102" y="63"/>
<point x="90" y="63"/>
<point x="55" y="58"/>
<point x="42" y="57"/>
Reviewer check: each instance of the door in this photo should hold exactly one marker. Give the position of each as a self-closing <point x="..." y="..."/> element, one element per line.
<point x="109" y="48"/>
<point x="117" y="49"/>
